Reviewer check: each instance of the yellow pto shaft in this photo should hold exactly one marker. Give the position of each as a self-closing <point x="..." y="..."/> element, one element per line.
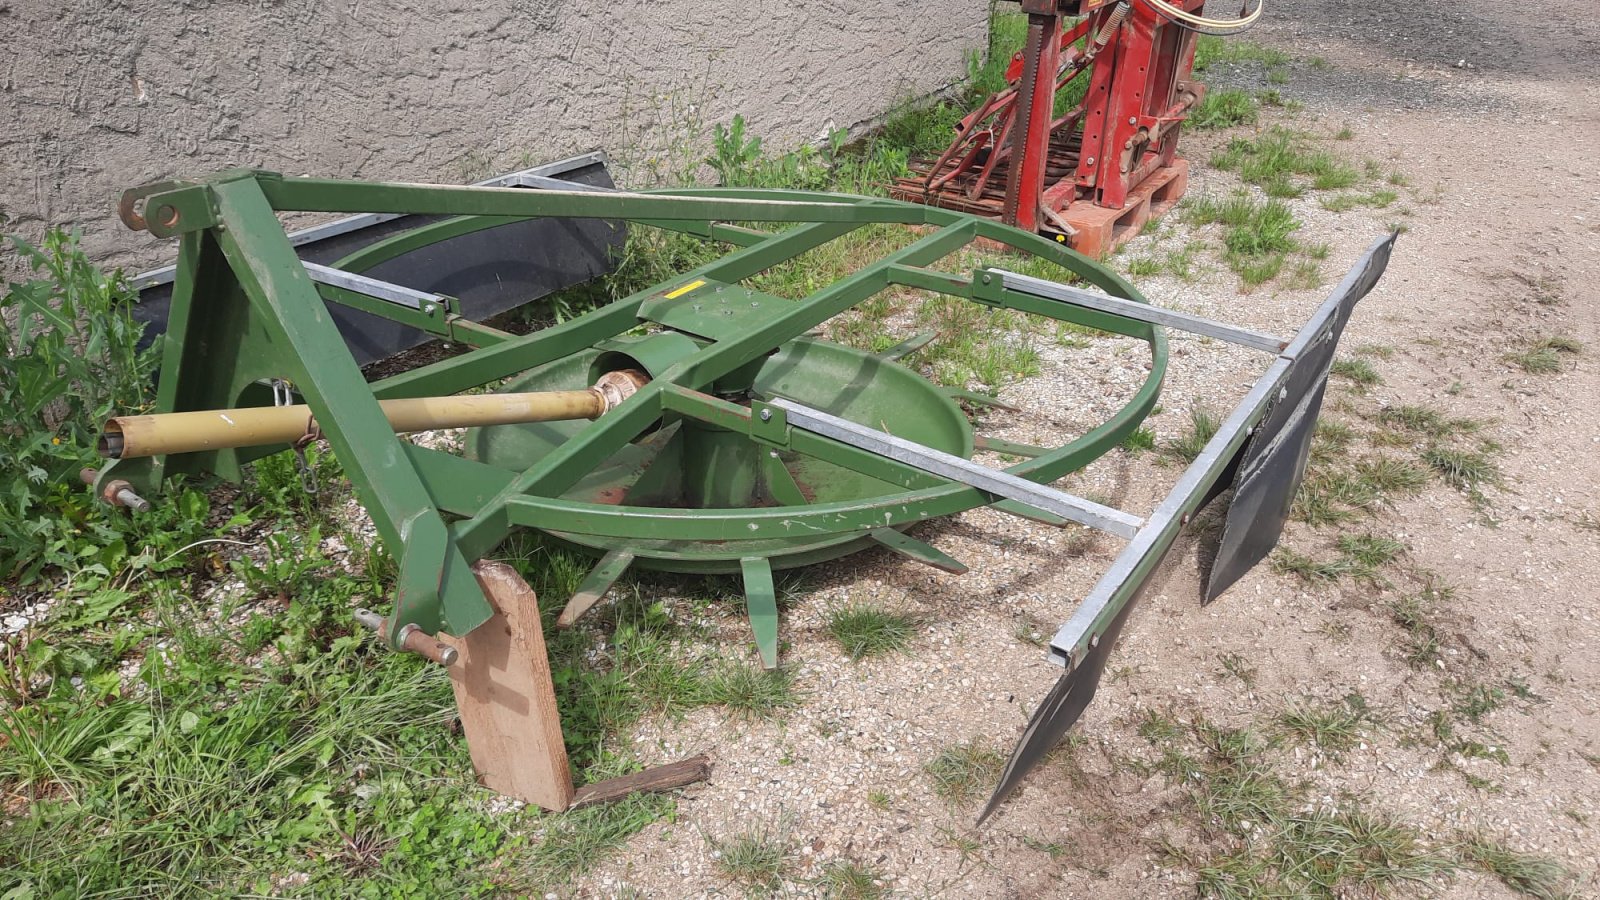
<point x="128" y="437"/>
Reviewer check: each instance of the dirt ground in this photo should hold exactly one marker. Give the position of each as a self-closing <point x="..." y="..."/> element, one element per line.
<point x="1488" y="109"/>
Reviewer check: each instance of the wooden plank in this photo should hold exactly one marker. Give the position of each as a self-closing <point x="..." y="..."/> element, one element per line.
<point x="506" y="697"/>
<point x="593" y="589"/>
<point x="661" y="778"/>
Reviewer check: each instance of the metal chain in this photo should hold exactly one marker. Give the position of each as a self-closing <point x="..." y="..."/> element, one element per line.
<point x="283" y="395"/>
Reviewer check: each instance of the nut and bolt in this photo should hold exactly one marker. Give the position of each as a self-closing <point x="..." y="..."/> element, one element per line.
<point x="412" y="639"/>
<point x="766" y="415"/>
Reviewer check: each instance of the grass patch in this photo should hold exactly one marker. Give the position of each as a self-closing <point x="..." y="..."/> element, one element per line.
<point x="1358" y="556"/>
<point x="1275" y="841"/>
<point x="1357" y="371"/>
<point x="1139" y="440"/>
<point x="1334" y="728"/>
<point x="755" y="859"/>
<point x="1525" y="873"/>
<point x="1225" y="108"/>
<point x="749" y="691"/>
<point x="1543" y="357"/>
<point x="1464" y="470"/>
<point x="868" y="629"/>
<point x="1257" y="235"/>
<point x="1211" y="51"/>
<point x="1283" y="157"/>
<point x="845" y="879"/>
<point x="1378" y="199"/>
<point x="964" y="771"/>
<point x="1239" y="668"/>
<point x="1203" y="425"/>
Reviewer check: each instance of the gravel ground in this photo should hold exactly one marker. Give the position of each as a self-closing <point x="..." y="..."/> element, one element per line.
<point x="1456" y="98"/>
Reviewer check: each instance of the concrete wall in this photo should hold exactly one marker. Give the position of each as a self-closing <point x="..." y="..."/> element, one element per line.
<point x="99" y="95"/>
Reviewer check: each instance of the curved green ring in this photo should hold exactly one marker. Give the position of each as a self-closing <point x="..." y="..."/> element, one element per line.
<point x="605" y="521"/>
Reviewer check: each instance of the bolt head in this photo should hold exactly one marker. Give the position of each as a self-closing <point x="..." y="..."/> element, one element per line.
<point x="1089" y="161"/>
<point x="766" y="415"/>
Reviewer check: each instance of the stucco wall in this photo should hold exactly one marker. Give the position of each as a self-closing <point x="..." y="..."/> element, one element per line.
<point x="100" y="95"/>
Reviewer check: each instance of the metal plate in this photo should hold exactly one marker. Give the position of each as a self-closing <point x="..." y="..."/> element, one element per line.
<point x="1057" y="712"/>
<point x="1272" y="463"/>
<point x="713" y="310"/>
<point x="489" y="271"/>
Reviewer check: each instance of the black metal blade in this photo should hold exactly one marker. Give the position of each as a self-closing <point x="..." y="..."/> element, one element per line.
<point x="1058" y="712"/>
<point x="1272" y="463"/>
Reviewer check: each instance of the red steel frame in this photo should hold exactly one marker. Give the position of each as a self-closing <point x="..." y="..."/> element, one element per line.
<point x="1062" y="173"/>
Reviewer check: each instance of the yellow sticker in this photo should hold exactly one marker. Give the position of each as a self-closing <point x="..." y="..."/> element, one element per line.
<point x="685" y="289"/>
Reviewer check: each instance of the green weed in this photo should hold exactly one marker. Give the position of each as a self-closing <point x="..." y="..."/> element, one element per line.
<point x="756" y="859"/>
<point x="1464" y="470"/>
<point x="1333" y="728"/>
<point x="844" y="879"/>
<point x="1543" y="357"/>
<point x="868" y="629"/>
<point x="963" y="771"/>
<point x="1225" y="108"/>
<point x="1525" y="873"/>
<point x="1203" y="425"/>
<point x="69" y="360"/>
<point x="1357" y="371"/>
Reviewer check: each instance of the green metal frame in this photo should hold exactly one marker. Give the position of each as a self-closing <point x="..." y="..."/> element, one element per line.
<point x="244" y="311"/>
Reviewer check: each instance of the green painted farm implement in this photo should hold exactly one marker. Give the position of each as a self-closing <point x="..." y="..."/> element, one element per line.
<point x="742" y="442"/>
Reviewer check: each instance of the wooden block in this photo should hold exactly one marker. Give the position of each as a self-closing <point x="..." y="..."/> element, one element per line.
<point x="661" y="778"/>
<point x="506" y="697"/>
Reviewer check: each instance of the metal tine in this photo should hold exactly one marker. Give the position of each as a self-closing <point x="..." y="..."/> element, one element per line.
<point x="595" y="585"/>
<point x="917" y="551"/>
<point x="761" y="605"/>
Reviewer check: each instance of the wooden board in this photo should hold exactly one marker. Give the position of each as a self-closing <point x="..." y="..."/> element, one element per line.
<point x="506" y="697"/>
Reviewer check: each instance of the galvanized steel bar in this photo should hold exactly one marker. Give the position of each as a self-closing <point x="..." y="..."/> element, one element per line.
<point x="372" y="287"/>
<point x="1143" y="312"/>
<point x="946" y="465"/>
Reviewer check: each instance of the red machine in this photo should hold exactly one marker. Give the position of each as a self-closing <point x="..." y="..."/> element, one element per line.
<point x="1092" y="176"/>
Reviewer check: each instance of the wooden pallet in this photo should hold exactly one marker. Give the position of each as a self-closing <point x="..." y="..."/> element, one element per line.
<point x="1101" y="230"/>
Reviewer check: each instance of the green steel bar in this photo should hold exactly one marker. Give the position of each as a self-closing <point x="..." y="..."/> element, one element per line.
<point x="519" y="354"/>
<point x="476" y="334"/>
<point x="470" y="370"/>
<point x="455" y="484"/>
<point x="434" y="579"/>
<point x="567" y="463"/>
<point x="917" y="551"/>
<point x="929" y="280"/>
<point x="725" y="356"/>
<point x="438" y="323"/>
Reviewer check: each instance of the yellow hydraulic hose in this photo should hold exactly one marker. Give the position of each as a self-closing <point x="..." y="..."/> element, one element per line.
<point x="1189" y="18"/>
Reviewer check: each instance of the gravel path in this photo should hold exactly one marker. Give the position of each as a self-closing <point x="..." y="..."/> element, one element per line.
<point x="1486" y="107"/>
